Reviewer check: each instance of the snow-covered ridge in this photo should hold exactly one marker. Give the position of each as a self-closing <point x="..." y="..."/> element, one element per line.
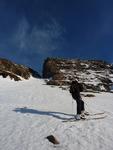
<point x="16" y="71"/>
<point x="94" y="75"/>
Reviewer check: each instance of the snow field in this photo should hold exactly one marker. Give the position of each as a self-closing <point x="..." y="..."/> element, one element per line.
<point x="31" y="110"/>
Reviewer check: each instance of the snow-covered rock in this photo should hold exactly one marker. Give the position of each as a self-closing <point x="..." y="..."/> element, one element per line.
<point x="94" y="75"/>
<point x="15" y="71"/>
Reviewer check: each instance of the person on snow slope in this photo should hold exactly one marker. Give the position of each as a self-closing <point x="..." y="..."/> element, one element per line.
<point x="75" y="90"/>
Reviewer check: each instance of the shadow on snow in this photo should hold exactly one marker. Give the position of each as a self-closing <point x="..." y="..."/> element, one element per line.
<point x="57" y="115"/>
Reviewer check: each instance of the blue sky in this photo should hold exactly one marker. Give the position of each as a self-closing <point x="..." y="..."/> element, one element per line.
<point x="31" y="30"/>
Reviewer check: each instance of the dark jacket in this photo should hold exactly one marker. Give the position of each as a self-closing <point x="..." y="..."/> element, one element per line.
<point x="75" y="90"/>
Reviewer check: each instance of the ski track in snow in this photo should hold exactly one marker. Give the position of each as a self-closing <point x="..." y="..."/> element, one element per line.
<point x="31" y="110"/>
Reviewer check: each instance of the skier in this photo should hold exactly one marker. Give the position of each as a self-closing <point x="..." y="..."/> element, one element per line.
<point x="75" y="90"/>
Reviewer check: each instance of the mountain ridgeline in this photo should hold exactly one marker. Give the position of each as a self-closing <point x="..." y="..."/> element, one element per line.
<point x="94" y="75"/>
<point x="16" y="71"/>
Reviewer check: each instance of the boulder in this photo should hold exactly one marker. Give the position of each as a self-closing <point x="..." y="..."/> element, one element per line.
<point x="52" y="139"/>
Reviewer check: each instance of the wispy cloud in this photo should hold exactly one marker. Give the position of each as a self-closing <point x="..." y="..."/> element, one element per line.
<point x="40" y="40"/>
<point x="30" y="44"/>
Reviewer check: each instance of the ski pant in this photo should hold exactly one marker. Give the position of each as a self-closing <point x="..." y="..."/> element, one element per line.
<point x="80" y="105"/>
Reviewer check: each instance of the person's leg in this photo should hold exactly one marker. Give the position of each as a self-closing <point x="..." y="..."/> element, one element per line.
<point x="77" y="116"/>
<point x="82" y="105"/>
<point x="78" y="106"/>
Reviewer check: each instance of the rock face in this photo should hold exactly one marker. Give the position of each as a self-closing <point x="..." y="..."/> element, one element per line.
<point x="15" y="71"/>
<point x="94" y="75"/>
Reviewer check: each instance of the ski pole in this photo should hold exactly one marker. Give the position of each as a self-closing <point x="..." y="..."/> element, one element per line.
<point x="72" y="105"/>
<point x="87" y="106"/>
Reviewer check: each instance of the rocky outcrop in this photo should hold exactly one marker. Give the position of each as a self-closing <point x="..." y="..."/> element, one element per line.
<point x="15" y="71"/>
<point x="5" y="74"/>
<point x="94" y="75"/>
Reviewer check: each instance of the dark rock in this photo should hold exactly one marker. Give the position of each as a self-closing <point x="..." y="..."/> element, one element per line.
<point x="50" y="68"/>
<point x="89" y="95"/>
<point x="11" y="75"/>
<point x="34" y="73"/>
<point x="52" y="139"/>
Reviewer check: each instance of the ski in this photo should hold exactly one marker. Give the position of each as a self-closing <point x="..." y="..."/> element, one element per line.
<point x="94" y="114"/>
<point x="86" y="119"/>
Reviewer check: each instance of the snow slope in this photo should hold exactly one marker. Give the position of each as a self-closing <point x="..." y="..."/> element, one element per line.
<point x="31" y="110"/>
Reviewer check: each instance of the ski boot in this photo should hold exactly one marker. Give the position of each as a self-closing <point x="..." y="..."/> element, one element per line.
<point x="78" y="117"/>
